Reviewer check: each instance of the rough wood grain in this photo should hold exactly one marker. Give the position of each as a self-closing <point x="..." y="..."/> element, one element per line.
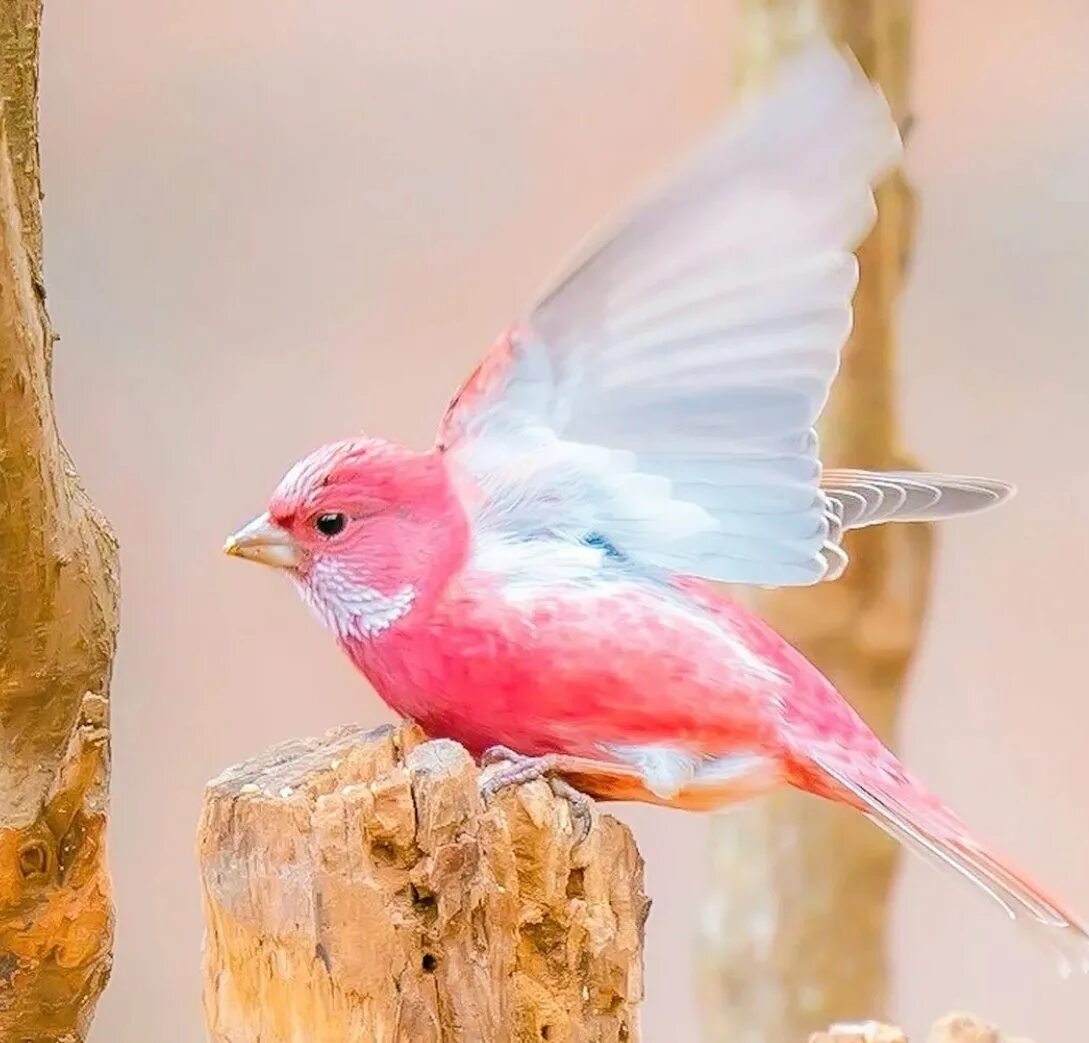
<point x="795" y="927"/>
<point x="356" y="890"/>
<point x="58" y="624"/>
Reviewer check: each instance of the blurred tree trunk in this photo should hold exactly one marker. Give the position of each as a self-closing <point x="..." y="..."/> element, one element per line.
<point x="795" y="928"/>
<point x="58" y="623"/>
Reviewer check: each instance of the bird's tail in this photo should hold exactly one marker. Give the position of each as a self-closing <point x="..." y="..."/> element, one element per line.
<point x="910" y="813"/>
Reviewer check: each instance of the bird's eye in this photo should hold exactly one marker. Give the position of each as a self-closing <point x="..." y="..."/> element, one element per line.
<point x="331" y="523"/>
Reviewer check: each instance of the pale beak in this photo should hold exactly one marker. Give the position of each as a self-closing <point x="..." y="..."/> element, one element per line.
<point x="264" y="541"/>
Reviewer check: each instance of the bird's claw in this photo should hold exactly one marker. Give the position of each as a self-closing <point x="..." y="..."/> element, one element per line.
<point x="582" y="807"/>
<point x="498" y="754"/>
<point x="519" y="769"/>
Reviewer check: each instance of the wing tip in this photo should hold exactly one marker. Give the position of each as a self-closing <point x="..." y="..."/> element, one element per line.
<point x="821" y="67"/>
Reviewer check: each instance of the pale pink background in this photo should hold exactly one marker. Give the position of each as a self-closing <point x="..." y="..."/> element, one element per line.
<point x="272" y="223"/>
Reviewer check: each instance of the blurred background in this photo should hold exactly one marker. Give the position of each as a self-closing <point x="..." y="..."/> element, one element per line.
<point x="272" y="224"/>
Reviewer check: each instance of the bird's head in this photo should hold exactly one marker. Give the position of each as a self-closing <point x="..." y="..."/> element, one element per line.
<point x="365" y="527"/>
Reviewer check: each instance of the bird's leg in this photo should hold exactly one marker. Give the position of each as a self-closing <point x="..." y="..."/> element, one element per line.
<point x="519" y="769"/>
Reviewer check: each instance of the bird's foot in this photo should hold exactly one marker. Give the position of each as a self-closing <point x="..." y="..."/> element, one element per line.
<point x="582" y="807"/>
<point x="499" y="754"/>
<point x="518" y="769"/>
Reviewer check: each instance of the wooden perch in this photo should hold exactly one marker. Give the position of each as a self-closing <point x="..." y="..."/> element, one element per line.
<point x="795" y="929"/>
<point x="357" y="890"/>
<point x="58" y="624"/>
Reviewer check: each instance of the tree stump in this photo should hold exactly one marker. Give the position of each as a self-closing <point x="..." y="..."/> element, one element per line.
<point x="357" y="888"/>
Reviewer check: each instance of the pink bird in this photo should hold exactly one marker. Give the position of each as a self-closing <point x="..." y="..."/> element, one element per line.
<point x="536" y="585"/>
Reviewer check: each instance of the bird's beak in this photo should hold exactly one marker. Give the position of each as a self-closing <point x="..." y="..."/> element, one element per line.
<point x="264" y="541"/>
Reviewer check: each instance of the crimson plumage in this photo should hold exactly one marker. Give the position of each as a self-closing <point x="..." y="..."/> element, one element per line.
<point x="539" y="579"/>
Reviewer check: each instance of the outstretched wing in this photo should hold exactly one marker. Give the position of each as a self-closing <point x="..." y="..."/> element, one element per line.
<point x="659" y="401"/>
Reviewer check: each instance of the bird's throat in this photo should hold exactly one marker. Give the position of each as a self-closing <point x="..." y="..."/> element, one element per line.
<point x="352" y="611"/>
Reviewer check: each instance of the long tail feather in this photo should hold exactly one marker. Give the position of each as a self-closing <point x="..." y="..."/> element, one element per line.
<point x="912" y="815"/>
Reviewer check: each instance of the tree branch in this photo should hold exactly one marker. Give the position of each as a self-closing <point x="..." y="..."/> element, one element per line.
<point x="58" y="624"/>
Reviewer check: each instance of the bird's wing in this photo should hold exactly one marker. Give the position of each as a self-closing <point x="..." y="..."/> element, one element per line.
<point x="660" y="399"/>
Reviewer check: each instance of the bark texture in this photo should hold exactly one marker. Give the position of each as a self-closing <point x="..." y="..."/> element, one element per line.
<point x="357" y="890"/>
<point x="58" y="624"/>
<point x="795" y="927"/>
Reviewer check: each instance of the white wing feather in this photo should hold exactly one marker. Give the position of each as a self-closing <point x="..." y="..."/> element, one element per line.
<point x="660" y="399"/>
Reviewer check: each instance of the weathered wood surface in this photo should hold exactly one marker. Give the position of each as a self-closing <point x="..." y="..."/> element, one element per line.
<point x="357" y="890"/>
<point x="953" y="1028"/>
